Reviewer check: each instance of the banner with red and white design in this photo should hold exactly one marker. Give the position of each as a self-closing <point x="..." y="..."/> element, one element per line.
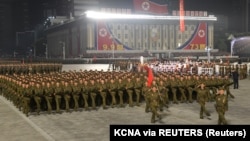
<point x="198" y="41"/>
<point x="146" y="6"/>
<point x="182" y="14"/>
<point x="104" y="38"/>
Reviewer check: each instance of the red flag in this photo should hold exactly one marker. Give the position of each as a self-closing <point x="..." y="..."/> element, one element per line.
<point x="146" y="6"/>
<point x="182" y="24"/>
<point x="150" y="75"/>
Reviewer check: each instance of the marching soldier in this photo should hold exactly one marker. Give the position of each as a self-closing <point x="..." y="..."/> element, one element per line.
<point x="154" y="103"/>
<point x="182" y="87"/>
<point x="112" y="91"/>
<point x="49" y="91"/>
<point x="93" y="93"/>
<point x="202" y="98"/>
<point x="103" y="92"/>
<point x="227" y="83"/>
<point x="138" y="88"/>
<point x="76" y="89"/>
<point x="38" y="93"/>
<point x="130" y="91"/>
<point x="145" y="93"/>
<point x="85" y="94"/>
<point x="221" y="106"/>
<point x="58" y="90"/>
<point x="121" y="88"/>
<point x="173" y="85"/>
<point x="67" y="91"/>
<point x="190" y="86"/>
<point x="162" y="90"/>
<point x="26" y="99"/>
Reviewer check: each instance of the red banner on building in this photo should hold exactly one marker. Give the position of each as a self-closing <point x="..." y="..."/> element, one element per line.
<point x="182" y="23"/>
<point x="146" y="6"/>
<point x="104" y="38"/>
<point x="199" y="39"/>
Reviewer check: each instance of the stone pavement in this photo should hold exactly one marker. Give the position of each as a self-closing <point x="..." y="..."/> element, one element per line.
<point x="94" y="125"/>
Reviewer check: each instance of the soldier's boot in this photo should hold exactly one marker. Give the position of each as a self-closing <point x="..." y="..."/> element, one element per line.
<point x="219" y="122"/>
<point x="58" y="103"/>
<point x="130" y="100"/>
<point x="201" y="115"/>
<point x="26" y="108"/>
<point x="66" y="103"/>
<point x="153" y="118"/>
<point x="38" y="101"/>
<point x="137" y="99"/>
<point x="86" y="105"/>
<point x="103" y="95"/>
<point x="76" y="98"/>
<point x="207" y="113"/>
<point x="121" y="99"/>
<point x="175" y="101"/>
<point x="93" y="97"/>
<point x="104" y="104"/>
<point x="48" y="100"/>
<point x="49" y="108"/>
<point x="113" y="100"/>
<point x="231" y="95"/>
<point x="224" y="122"/>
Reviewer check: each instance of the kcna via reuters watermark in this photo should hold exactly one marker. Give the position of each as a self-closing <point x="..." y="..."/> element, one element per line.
<point x="240" y="132"/>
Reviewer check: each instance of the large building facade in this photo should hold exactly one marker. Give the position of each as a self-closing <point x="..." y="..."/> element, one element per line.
<point x="117" y="30"/>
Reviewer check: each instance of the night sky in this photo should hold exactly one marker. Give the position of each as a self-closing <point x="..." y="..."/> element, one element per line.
<point x="214" y="6"/>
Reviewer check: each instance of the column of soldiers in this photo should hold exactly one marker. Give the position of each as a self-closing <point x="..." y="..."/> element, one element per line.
<point x="227" y="70"/>
<point x="32" y="68"/>
<point x="73" y="90"/>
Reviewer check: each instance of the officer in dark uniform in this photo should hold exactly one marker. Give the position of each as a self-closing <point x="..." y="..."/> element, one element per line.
<point x="235" y="76"/>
